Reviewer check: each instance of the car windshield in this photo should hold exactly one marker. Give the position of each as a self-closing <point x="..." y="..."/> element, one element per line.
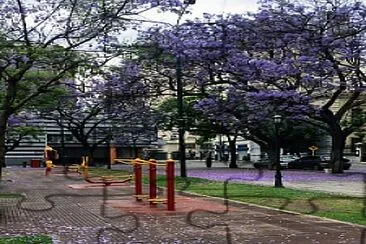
<point x="288" y="156"/>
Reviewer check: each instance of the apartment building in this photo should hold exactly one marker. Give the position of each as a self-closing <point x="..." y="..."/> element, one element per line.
<point x="71" y="150"/>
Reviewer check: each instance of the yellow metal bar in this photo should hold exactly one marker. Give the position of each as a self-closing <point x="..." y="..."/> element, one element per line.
<point x="139" y="161"/>
<point x="124" y="161"/>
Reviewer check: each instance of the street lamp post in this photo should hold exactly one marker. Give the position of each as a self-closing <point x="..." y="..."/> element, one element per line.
<point x="278" y="177"/>
<point x="62" y="156"/>
<point x="110" y="96"/>
<point x="62" y="132"/>
<point x="109" y="162"/>
<point x="181" y="120"/>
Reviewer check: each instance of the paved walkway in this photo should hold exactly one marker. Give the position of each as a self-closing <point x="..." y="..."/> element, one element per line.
<point x="55" y="206"/>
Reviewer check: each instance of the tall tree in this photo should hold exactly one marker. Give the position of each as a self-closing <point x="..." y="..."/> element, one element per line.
<point x="103" y="109"/>
<point x="45" y="35"/>
<point x="250" y="114"/>
<point x="323" y="45"/>
<point x="316" y="48"/>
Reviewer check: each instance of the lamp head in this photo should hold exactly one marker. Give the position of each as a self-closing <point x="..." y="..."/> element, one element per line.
<point x="277" y="119"/>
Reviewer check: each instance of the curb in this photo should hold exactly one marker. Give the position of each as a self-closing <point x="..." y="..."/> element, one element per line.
<point x="275" y="209"/>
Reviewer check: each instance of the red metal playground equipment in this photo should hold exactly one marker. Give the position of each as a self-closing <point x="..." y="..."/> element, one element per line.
<point x="137" y="164"/>
<point x="152" y="197"/>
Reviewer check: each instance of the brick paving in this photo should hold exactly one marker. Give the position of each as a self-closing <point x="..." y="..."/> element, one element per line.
<point x="97" y="215"/>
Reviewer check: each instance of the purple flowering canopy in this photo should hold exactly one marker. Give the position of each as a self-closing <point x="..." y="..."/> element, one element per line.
<point x="252" y="117"/>
<point x="105" y="107"/>
<point x="45" y="43"/>
<point x="325" y="46"/>
<point x="317" y="50"/>
<point x="20" y="126"/>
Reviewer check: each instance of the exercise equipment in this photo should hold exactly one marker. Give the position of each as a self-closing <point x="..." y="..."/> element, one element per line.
<point x="106" y="180"/>
<point x="152" y="198"/>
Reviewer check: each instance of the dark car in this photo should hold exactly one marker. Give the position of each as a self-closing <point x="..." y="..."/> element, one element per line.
<point x="315" y="163"/>
<point x="264" y="164"/>
<point x="267" y="164"/>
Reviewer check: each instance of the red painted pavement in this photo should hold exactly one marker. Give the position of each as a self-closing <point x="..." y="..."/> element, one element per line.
<point x="183" y="205"/>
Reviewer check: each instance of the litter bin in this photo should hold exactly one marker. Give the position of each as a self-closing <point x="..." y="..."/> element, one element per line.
<point x="35" y="163"/>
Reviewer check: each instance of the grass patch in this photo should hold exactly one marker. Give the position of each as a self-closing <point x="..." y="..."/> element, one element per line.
<point x="40" y="239"/>
<point x="116" y="173"/>
<point x="333" y="206"/>
<point x="104" y="171"/>
<point x="10" y="195"/>
<point x="338" y="207"/>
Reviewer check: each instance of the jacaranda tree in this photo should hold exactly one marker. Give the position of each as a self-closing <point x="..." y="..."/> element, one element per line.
<point x="252" y="117"/>
<point x="315" y="48"/>
<point x="103" y="110"/>
<point x="47" y="34"/>
<point x="318" y="47"/>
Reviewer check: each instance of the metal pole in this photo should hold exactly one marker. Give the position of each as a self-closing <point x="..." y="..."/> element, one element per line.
<point x="220" y="148"/>
<point x="109" y="165"/>
<point x="181" y="122"/>
<point x="170" y="185"/>
<point x="62" y="146"/>
<point x="278" y="176"/>
<point x="152" y="181"/>
<point x="138" y="180"/>
<point x="61" y="155"/>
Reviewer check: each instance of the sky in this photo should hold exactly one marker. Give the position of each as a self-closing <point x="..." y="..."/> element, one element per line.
<point x="223" y="6"/>
<point x="197" y="10"/>
<point x="212" y="7"/>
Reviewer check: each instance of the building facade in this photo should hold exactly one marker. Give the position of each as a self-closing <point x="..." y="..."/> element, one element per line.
<point x="71" y="150"/>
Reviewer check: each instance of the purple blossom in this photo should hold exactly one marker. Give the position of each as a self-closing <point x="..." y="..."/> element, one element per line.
<point x="14" y="120"/>
<point x="254" y="175"/>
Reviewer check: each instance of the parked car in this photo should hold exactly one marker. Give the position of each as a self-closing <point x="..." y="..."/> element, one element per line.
<point x="315" y="163"/>
<point x="263" y="164"/>
<point x="267" y="164"/>
<point x="285" y="159"/>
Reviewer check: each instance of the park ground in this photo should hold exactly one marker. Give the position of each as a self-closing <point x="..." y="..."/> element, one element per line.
<point x="68" y="210"/>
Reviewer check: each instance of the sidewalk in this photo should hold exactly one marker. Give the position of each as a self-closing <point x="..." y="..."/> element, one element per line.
<point x="55" y="206"/>
<point x="351" y="183"/>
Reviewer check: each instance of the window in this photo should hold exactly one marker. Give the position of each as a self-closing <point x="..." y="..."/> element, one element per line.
<point x="53" y="138"/>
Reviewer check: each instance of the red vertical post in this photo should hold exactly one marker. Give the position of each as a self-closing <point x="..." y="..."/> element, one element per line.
<point x="138" y="180"/>
<point x="152" y="181"/>
<point x="170" y="184"/>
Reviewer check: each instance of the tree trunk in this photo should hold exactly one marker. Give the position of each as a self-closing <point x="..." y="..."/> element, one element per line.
<point x="91" y="155"/>
<point x="232" y="145"/>
<point x="88" y="151"/>
<point x="272" y="157"/>
<point x="336" y="159"/>
<point x="209" y="160"/>
<point x="3" y="124"/>
<point x="221" y="149"/>
<point x="136" y="150"/>
<point x="338" y="140"/>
